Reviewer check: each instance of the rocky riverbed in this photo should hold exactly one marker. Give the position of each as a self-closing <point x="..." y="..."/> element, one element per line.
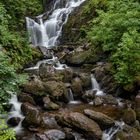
<point x="51" y="114"/>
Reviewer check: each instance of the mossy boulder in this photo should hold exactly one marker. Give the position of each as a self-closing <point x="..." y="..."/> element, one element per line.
<point x="56" y="90"/>
<point x="127" y="133"/>
<point x="103" y="120"/>
<point x="35" y="87"/>
<point x="32" y="115"/>
<point x="129" y="116"/>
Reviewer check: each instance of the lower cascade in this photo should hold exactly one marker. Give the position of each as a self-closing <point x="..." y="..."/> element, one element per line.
<point x="96" y="86"/>
<point x="16" y="112"/>
<point x="108" y="134"/>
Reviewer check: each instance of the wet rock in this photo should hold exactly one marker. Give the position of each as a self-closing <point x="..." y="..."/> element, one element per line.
<point x="41" y="137"/>
<point x="49" y="105"/>
<point x="98" y="101"/>
<point x="68" y="75"/>
<point x="109" y="99"/>
<point x="89" y="95"/>
<point x="49" y="122"/>
<point x="76" y="59"/>
<point x="127" y="133"/>
<point x="55" y="134"/>
<point x="129" y="116"/>
<point x="24" y="97"/>
<point x="35" y="86"/>
<point x="77" y="86"/>
<point x="86" y="80"/>
<point x="79" y="121"/>
<point x="48" y="73"/>
<point x="103" y="120"/>
<point x="14" y="121"/>
<point x="55" y="89"/>
<point x="32" y="115"/>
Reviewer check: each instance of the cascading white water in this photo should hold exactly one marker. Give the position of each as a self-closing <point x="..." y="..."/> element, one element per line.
<point x="70" y="95"/>
<point x="16" y="112"/>
<point x="96" y="87"/>
<point x="46" y="33"/>
<point x="108" y="134"/>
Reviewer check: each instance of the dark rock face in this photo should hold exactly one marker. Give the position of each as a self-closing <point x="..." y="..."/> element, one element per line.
<point x="14" y="121"/>
<point x="103" y="120"/>
<point x="24" y="97"/>
<point x="77" y="120"/>
<point x="32" y="115"/>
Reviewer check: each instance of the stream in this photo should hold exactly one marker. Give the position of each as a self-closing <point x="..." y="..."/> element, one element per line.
<point x="45" y="33"/>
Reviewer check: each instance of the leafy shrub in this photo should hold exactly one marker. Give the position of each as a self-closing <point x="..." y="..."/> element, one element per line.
<point x="9" y="80"/>
<point x="117" y="31"/>
<point x="5" y="132"/>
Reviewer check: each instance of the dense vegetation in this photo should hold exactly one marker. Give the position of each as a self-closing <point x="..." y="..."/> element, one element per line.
<point x="116" y="29"/>
<point x="12" y="28"/>
<point x="14" y="50"/>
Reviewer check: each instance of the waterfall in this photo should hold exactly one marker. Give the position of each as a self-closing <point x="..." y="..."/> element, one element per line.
<point x="46" y="33"/>
<point x="70" y="95"/>
<point x="16" y="112"/>
<point x="96" y="87"/>
<point x="109" y="133"/>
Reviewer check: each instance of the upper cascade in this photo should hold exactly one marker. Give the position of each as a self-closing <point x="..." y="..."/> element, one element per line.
<point x="46" y="33"/>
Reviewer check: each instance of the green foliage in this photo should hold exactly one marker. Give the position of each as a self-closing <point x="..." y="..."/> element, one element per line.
<point x="19" y="9"/>
<point x="12" y="29"/>
<point x="9" y="80"/>
<point x="5" y="132"/>
<point x="117" y="31"/>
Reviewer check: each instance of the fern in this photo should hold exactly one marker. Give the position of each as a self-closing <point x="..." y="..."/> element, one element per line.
<point x="5" y="132"/>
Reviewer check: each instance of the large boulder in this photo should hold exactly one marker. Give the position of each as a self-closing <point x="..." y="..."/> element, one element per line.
<point x="76" y="59"/>
<point x="109" y="99"/>
<point x="103" y="120"/>
<point x="48" y="122"/>
<point x="24" y="97"/>
<point x="56" y="90"/>
<point x="35" y="87"/>
<point x="86" y="80"/>
<point x="77" y="86"/>
<point x="32" y="115"/>
<point x="48" y="73"/>
<point x="49" y="105"/>
<point x="88" y="127"/>
<point x="129" y="116"/>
